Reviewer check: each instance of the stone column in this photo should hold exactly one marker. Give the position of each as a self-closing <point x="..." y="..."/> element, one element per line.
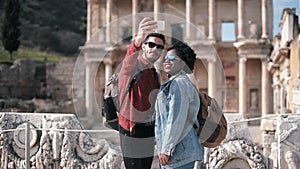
<point x="102" y="22"/>
<point x="264" y="19"/>
<point x="108" y="18"/>
<point x="108" y="71"/>
<point x="211" y="19"/>
<point x="188" y="11"/>
<point x="90" y="74"/>
<point x="89" y="21"/>
<point x="100" y="94"/>
<point x="212" y="77"/>
<point x="266" y="124"/>
<point x="134" y="19"/>
<point x="282" y="98"/>
<point x="156" y="9"/>
<point x="268" y="138"/>
<point x="276" y="88"/>
<point x="242" y="86"/>
<point x="240" y="19"/>
<point x="265" y="88"/>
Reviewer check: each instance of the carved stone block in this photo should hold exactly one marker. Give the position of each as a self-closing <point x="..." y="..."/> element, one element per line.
<point x="238" y="149"/>
<point x="56" y="141"/>
<point x="237" y="129"/>
<point x="286" y="149"/>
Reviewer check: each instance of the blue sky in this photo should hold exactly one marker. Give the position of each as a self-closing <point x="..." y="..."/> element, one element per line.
<point x="279" y="5"/>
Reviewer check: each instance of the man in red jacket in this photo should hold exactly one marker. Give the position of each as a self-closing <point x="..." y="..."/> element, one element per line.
<point x="138" y="87"/>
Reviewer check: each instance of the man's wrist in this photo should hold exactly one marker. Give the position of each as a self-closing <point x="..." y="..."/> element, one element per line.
<point x="135" y="45"/>
<point x="138" y="41"/>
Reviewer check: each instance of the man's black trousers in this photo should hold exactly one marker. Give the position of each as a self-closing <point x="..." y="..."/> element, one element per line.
<point x="138" y="148"/>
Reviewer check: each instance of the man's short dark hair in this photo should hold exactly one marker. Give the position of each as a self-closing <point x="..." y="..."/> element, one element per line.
<point x="186" y="53"/>
<point x="158" y="35"/>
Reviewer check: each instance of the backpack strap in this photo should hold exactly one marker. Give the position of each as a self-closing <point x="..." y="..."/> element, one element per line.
<point x="168" y="88"/>
<point x="178" y="76"/>
<point x="134" y="79"/>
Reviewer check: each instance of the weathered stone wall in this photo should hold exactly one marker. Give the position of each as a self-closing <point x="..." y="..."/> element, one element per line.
<point x="59" y="79"/>
<point x="44" y="87"/>
<point x="65" y="88"/>
<point x="27" y="79"/>
<point x="22" y="80"/>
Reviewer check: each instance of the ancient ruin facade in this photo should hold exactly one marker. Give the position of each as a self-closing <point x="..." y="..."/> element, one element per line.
<point x="234" y="71"/>
<point x="284" y="65"/>
<point x="282" y="136"/>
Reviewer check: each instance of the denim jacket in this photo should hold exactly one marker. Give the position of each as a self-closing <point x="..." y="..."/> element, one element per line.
<point x="176" y="108"/>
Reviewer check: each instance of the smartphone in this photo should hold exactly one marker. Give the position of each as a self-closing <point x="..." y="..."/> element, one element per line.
<point x="160" y="25"/>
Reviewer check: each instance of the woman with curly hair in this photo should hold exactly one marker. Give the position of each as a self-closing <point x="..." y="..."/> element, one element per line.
<point x="176" y="108"/>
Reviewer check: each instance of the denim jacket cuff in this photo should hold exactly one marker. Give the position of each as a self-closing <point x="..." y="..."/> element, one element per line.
<point x="169" y="149"/>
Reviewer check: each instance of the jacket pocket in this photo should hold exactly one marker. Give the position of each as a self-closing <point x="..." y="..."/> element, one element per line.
<point x="178" y="153"/>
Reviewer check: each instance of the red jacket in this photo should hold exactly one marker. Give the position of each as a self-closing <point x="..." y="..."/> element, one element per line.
<point x="138" y="104"/>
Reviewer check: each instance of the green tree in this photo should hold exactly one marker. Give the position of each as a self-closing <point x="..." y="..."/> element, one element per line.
<point x="11" y="26"/>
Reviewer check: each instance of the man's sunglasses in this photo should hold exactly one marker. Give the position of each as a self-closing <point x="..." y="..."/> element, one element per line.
<point x="152" y="45"/>
<point x="169" y="57"/>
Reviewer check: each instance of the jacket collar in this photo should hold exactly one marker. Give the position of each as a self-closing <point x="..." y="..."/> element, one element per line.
<point x="146" y="63"/>
<point x="180" y="73"/>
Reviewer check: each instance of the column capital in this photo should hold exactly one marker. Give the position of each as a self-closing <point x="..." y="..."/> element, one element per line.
<point x="265" y="59"/>
<point x="241" y="37"/>
<point x="243" y="58"/>
<point x="211" y="59"/>
<point x="211" y="37"/>
<point x="107" y="61"/>
<point x="276" y="85"/>
<point x="264" y="36"/>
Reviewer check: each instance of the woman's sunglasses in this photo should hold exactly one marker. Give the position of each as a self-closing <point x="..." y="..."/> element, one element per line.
<point x="152" y="45"/>
<point x="169" y="57"/>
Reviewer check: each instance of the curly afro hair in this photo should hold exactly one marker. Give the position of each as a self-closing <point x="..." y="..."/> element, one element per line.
<point x="186" y="53"/>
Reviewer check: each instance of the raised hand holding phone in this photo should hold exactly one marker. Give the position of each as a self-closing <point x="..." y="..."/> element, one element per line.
<point x="160" y="25"/>
<point x="146" y="26"/>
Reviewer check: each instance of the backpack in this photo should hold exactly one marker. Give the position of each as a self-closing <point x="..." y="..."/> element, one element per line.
<point x="111" y="105"/>
<point x="213" y="125"/>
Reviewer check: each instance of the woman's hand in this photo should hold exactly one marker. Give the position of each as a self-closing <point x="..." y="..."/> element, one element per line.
<point x="164" y="159"/>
